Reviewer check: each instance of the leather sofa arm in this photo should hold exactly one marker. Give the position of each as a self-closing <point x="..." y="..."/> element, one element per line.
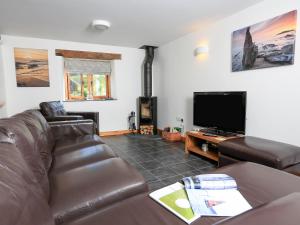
<point x="72" y="128"/>
<point x="87" y="115"/>
<point x="83" y="113"/>
<point x="63" y="118"/>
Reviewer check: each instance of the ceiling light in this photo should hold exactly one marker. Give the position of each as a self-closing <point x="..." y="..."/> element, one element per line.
<point x="100" y="24"/>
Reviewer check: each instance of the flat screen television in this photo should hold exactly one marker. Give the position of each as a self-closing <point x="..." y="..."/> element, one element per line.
<point x="225" y="111"/>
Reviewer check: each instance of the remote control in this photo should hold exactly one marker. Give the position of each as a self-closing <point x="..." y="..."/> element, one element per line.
<point x="212" y="135"/>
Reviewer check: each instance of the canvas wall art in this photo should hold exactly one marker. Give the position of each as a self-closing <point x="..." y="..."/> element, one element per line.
<point x="31" y="67"/>
<point x="267" y="44"/>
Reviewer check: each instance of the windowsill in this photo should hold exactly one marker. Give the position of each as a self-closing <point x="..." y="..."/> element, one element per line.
<point x="91" y="100"/>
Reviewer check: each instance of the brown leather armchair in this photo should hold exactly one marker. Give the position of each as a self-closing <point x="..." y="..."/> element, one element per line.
<point x="55" y="111"/>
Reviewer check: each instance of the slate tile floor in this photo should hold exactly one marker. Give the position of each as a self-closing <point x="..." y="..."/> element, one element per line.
<point x="161" y="162"/>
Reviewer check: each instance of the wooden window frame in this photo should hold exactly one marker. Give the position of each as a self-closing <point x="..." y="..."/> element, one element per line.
<point x="107" y="81"/>
<point x="68" y="86"/>
<point x="90" y="88"/>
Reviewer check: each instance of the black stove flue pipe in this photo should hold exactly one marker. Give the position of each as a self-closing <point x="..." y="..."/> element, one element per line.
<point x="147" y="67"/>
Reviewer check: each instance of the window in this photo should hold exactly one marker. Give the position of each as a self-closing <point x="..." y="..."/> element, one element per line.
<point x="87" y="86"/>
<point x="81" y="85"/>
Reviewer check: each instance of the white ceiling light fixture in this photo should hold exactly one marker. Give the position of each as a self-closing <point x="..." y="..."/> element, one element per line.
<point x="100" y="24"/>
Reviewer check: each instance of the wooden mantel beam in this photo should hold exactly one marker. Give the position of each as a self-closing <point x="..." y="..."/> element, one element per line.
<point x="87" y="55"/>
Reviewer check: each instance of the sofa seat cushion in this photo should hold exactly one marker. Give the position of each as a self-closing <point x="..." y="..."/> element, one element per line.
<point x="81" y="157"/>
<point x="138" y="210"/>
<point x="83" y="190"/>
<point x="270" y="153"/>
<point x="257" y="183"/>
<point x="284" y="210"/>
<point x="74" y="143"/>
<point x="260" y="184"/>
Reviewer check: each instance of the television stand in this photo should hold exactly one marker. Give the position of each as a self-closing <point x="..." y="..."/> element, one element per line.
<point x="216" y="132"/>
<point x="195" y="140"/>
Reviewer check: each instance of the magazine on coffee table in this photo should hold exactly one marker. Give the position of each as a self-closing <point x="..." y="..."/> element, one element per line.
<point x="175" y="199"/>
<point x="214" y="195"/>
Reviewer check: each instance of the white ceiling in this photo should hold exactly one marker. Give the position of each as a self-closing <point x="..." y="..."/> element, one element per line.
<point x="133" y="22"/>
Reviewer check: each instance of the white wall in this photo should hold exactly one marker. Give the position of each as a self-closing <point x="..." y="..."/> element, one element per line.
<point x="2" y="87"/>
<point x="273" y="105"/>
<point x="113" y="114"/>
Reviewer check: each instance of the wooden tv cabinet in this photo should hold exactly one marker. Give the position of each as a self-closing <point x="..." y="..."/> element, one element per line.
<point x="195" y="139"/>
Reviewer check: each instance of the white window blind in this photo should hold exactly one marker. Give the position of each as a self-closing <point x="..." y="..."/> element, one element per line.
<point x="87" y="66"/>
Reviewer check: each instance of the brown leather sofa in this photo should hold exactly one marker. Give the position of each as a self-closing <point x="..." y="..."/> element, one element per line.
<point x="45" y="178"/>
<point x="70" y="177"/>
<point x="267" y="152"/>
<point x="55" y="111"/>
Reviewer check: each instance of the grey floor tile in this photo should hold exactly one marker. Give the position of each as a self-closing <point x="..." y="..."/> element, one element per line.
<point x="159" y="154"/>
<point x="150" y="165"/>
<point x="199" y="164"/>
<point x="149" y="150"/>
<point x="181" y="168"/>
<point x="172" y="180"/>
<point x="163" y="172"/>
<point x="169" y="160"/>
<point x="206" y="170"/>
<point x="149" y="177"/>
<point x="144" y="158"/>
<point x="160" y="162"/>
<point x="153" y="186"/>
<point x="191" y="173"/>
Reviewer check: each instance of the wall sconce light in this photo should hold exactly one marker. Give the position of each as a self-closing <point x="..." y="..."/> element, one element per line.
<point x="201" y="50"/>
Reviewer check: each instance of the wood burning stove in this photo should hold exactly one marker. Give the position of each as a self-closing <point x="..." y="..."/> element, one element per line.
<point x="147" y="104"/>
<point x="147" y="115"/>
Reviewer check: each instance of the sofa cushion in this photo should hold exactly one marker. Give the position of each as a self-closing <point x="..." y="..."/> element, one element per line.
<point x="81" y="157"/>
<point x="270" y="153"/>
<point x="52" y="109"/>
<point x="74" y="143"/>
<point x="260" y="184"/>
<point x="22" y="200"/>
<point x="83" y="190"/>
<point x="16" y="130"/>
<point x="42" y="134"/>
<point x="257" y="183"/>
<point x="138" y="210"/>
<point x="284" y="210"/>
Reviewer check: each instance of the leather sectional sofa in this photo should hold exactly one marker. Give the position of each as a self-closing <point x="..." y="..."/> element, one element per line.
<point x="59" y="174"/>
<point x="62" y="173"/>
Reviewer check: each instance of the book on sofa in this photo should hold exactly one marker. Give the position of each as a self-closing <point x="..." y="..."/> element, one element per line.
<point x="175" y="199"/>
<point x="214" y="195"/>
<point x="202" y="195"/>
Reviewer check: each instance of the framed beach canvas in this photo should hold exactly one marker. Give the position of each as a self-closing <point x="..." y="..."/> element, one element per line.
<point x="267" y="44"/>
<point x="31" y="67"/>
